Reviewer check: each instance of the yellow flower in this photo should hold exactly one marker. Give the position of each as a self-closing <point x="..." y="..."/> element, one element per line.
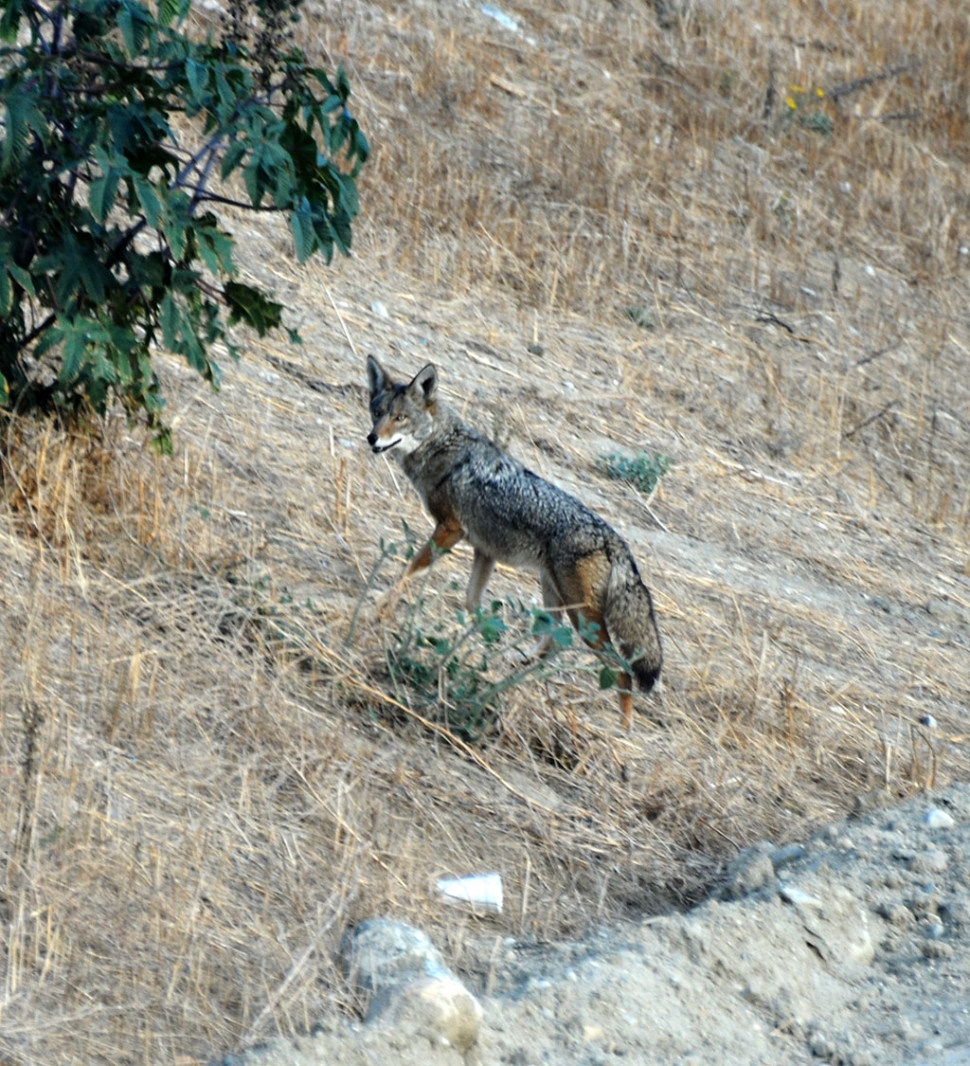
<point x="791" y="103"/>
<point x="797" y="89"/>
<point x="820" y="93"/>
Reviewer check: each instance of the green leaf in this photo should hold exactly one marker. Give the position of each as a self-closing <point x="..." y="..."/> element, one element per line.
<point x="302" y="228"/>
<point x="254" y="174"/>
<point x="322" y="78"/>
<point x="168" y="11"/>
<point x="198" y="77"/>
<point x="10" y="22"/>
<point x="134" y="22"/>
<point x="16" y="133"/>
<point x="101" y="198"/>
<point x="23" y="118"/>
<point x="233" y="157"/>
<point x="492" y="629"/>
<point x="22" y="278"/>
<point x="171" y="322"/>
<point x="75" y="345"/>
<point x="6" y="294"/>
<point x="607" y="677"/>
<point x="340" y="227"/>
<point x="215" y="247"/>
<point x="249" y="305"/>
<point x="93" y="275"/>
<point x="162" y="441"/>
<point x="127" y="30"/>
<point x="148" y="199"/>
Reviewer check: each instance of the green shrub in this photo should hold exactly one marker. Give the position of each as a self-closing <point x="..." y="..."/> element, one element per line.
<point x="461" y="668"/>
<point x="453" y="667"/>
<point x="643" y="471"/>
<point x="119" y="134"/>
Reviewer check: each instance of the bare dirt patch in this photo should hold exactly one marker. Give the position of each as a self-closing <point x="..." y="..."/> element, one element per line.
<point x="849" y="948"/>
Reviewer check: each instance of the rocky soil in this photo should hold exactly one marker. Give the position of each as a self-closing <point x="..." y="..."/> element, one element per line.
<point x="850" y="948"/>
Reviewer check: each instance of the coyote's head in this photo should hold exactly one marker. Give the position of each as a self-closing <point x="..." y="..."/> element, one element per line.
<point x="402" y="414"/>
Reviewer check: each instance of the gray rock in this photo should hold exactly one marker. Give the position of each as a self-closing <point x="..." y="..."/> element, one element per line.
<point x="752" y="869"/>
<point x="382" y="954"/>
<point x="416" y="995"/>
<point x="933" y="861"/>
<point x="897" y="914"/>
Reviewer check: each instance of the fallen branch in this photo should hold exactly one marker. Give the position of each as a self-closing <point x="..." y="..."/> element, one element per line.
<point x="856" y="85"/>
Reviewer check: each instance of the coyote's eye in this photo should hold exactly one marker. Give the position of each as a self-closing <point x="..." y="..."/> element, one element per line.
<point x="401" y="418"/>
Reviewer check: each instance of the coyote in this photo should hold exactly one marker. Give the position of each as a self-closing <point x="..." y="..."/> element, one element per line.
<point x="511" y="515"/>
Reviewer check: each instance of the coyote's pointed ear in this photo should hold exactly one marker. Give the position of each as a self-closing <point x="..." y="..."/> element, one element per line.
<point x="427" y="381"/>
<point x="376" y="377"/>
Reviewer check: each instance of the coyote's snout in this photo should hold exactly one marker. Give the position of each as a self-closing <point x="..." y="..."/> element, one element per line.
<point x="509" y="514"/>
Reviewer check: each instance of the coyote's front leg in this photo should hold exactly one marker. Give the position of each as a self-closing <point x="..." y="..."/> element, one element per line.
<point x="446" y="535"/>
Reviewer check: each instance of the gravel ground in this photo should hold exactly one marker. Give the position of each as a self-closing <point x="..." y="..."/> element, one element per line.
<point x="851" y="948"/>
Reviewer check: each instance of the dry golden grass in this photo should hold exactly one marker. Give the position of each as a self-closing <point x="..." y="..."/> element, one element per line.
<point x="204" y="783"/>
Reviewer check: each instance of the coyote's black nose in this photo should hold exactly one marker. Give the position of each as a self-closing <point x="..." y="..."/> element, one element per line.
<point x="372" y="438"/>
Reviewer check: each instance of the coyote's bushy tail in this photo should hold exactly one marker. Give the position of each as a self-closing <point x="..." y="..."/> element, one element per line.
<point x="630" y="620"/>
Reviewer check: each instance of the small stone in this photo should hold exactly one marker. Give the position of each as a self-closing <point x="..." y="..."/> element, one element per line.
<point x="896" y="914"/>
<point x="749" y="871"/>
<point x="933" y="861"/>
<point x="933" y="927"/>
<point x="937" y="949"/>
<point x="938" y="819"/>
<point x="795" y="896"/>
<point x="909" y="1031"/>
<point x="956" y="912"/>
<point x="822" y="1047"/>
<point x="924" y="903"/>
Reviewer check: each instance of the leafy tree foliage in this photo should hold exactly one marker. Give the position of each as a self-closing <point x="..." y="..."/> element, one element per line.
<point x="123" y="133"/>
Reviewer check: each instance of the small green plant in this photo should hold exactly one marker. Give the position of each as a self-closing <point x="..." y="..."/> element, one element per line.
<point x="457" y="667"/>
<point x="804" y="107"/>
<point x="123" y="134"/>
<point x="640" y="316"/>
<point x="454" y="668"/>
<point x="274" y="623"/>
<point x="643" y="471"/>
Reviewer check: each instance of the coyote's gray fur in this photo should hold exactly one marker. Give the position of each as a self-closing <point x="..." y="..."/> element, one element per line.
<point x="509" y="514"/>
